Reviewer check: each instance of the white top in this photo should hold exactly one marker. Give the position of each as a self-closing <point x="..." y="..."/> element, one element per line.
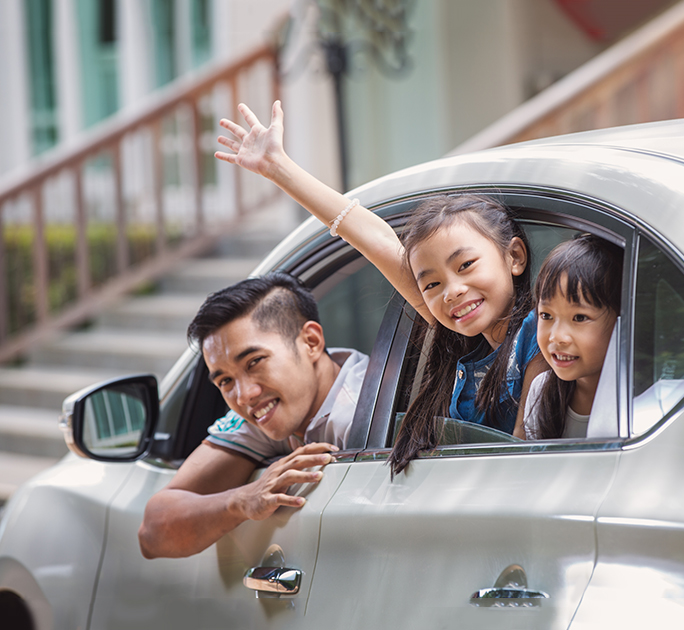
<point x="575" y="424"/>
<point x="331" y="423"/>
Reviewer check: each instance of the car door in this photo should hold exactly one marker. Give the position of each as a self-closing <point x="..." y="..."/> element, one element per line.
<point x="207" y="590"/>
<point x="639" y="577"/>
<point x="466" y="529"/>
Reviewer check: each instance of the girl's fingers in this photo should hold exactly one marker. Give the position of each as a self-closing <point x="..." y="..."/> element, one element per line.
<point x="226" y="157"/>
<point x="233" y="145"/>
<point x="248" y="115"/>
<point x="277" y="114"/>
<point x="234" y="128"/>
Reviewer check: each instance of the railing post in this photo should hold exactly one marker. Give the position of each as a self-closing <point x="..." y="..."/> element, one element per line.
<point x="40" y="256"/>
<point x="82" y="251"/>
<point x="239" y="202"/>
<point x="197" y="154"/>
<point x="4" y="301"/>
<point x="121" y="240"/>
<point x="158" y="184"/>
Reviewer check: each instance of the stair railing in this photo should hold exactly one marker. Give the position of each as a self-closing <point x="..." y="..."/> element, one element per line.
<point x="129" y="199"/>
<point x="639" y="79"/>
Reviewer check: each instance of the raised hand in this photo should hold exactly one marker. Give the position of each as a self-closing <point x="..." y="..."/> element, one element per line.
<point x="259" y="149"/>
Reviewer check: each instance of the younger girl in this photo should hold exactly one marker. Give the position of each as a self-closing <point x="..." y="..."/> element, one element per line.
<point x="578" y="301"/>
<point x="463" y="266"/>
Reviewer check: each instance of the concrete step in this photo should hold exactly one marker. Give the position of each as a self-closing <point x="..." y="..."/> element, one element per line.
<point x="31" y="431"/>
<point x="16" y="468"/>
<point x="47" y="387"/>
<point x="206" y="275"/>
<point x="168" y="312"/>
<point x="109" y="349"/>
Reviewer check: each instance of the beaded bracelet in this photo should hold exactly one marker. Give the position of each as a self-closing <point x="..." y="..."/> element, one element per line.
<point x="340" y="217"/>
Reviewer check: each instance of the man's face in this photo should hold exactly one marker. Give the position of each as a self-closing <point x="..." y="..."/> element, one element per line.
<point x="263" y="377"/>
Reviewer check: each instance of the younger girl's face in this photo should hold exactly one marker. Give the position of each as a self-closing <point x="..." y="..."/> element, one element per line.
<point x="466" y="281"/>
<point x="573" y="338"/>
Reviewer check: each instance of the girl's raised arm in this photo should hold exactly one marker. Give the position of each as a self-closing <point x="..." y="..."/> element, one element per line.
<point x="261" y="151"/>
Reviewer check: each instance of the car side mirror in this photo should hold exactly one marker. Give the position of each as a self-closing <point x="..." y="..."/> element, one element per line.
<point x="112" y="421"/>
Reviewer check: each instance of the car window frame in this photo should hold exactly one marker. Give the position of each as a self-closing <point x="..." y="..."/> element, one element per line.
<point x="672" y="254"/>
<point x="546" y="206"/>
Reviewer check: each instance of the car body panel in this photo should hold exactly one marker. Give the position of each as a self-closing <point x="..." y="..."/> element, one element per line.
<point x="69" y="504"/>
<point x="206" y="590"/>
<point x="430" y="538"/>
<point x="639" y="576"/>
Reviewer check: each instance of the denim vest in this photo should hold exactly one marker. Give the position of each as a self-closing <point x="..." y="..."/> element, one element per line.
<point x="472" y="368"/>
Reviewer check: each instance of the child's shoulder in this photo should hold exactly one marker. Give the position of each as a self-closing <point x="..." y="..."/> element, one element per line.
<point x="525" y="346"/>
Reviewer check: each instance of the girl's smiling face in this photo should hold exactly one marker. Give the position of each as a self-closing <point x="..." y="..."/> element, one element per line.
<point x="467" y="281"/>
<point x="573" y="337"/>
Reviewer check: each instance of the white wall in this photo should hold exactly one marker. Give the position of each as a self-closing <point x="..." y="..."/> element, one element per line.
<point x="15" y="138"/>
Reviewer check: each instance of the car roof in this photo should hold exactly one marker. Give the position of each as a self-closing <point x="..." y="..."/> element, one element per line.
<point x="636" y="169"/>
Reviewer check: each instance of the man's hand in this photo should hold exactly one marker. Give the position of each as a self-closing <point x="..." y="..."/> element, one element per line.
<point x="207" y="498"/>
<point x="258" y="150"/>
<point x="259" y="499"/>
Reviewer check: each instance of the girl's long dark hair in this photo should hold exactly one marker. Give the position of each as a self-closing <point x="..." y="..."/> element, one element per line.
<point x="420" y="429"/>
<point x="593" y="268"/>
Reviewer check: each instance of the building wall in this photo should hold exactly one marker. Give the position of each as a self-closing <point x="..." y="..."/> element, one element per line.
<point x="472" y="62"/>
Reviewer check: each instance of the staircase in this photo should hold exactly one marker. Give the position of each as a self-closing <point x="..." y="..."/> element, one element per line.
<point x="143" y="333"/>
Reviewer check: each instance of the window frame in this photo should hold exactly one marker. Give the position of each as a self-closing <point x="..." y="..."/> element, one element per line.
<point x="675" y="257"/>
<point x="545" y="206"/>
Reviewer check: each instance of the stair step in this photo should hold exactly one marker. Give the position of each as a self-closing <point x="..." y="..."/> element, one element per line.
<point x="126" y="351"/>
<point x="169" y="312"/>
<point x="15" y="469"/>
<point x="46" y="388"/>
<point x="31" y="431"/>
<point x="206" y="275"/>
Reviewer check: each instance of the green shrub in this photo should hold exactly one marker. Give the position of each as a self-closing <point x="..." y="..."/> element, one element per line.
<point x="61" y="245"/>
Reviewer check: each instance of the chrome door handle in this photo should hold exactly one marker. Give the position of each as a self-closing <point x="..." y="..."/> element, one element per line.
<point x="273" y="580"/>
<point x="510" y="590"/>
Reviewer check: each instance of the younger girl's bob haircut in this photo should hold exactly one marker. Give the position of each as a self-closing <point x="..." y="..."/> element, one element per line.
<point x="422" y="427"/>
<point x="585" y="269"/>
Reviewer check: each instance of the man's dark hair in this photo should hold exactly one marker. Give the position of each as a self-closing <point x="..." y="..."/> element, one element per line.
<point x="277" y="302"/>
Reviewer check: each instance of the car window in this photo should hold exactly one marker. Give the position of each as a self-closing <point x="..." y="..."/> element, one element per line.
<point x="658" y="381"/>
<point x="351" y="304"/>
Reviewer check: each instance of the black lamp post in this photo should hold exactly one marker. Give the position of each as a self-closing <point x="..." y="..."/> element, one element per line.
<point x="377" y="29"/>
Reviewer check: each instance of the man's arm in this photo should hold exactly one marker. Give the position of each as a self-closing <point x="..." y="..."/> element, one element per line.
<point x="208" y="497"/>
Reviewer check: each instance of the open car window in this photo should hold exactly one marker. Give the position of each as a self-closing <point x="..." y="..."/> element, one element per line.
<point x="545" y="230"/>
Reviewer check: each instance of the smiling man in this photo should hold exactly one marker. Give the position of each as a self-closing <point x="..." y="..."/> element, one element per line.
<point x="290" y="400"/>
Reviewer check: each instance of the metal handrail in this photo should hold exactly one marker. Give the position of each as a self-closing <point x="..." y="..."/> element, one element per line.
<point x="639" y="79"/>
<point x="177" y="124"/>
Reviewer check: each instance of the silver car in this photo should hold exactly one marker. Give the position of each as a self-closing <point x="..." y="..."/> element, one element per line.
<point x="492" y="532"/>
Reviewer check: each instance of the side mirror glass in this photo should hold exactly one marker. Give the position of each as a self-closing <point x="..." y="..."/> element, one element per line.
<point x="112" y="421"/>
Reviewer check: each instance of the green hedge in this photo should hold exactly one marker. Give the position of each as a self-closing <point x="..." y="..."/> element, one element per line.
<point x="61" y="242"/>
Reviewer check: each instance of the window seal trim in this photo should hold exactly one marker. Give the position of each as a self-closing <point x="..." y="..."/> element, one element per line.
<point x="518" y="448"/>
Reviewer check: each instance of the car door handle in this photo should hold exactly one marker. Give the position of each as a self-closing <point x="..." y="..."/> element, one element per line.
<point x="510" y="590"/>
<point x="273" y="580"/>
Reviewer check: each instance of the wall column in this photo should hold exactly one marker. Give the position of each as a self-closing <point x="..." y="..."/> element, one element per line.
<point x="15" y="131"/>
<point x="68" y="70"/>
